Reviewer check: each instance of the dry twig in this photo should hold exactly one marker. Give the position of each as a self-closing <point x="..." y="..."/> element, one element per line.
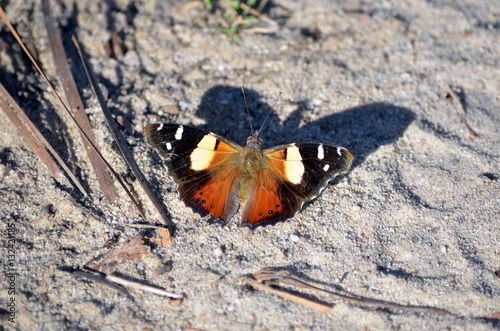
<point x="289" y="296"/>
<point x="111" y="280"/>
<point x="273" y="26"/>
<point x="101" y="278"/>
<point x="461" y="111"/>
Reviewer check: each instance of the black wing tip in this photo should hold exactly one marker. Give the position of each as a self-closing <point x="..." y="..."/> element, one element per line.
<point x="150" y="130"/>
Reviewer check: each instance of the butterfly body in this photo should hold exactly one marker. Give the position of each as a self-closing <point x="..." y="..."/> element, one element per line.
<point x="216" y="175"/>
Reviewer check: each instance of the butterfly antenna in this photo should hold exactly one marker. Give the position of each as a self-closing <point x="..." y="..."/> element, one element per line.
<point x="246" y="105"/>
<point x="272" y="108"/>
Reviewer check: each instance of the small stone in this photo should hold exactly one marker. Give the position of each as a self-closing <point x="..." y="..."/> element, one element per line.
<point x="481" y="180"/>
<point x="185" y="104"/>
<point x="218" y="252"/>
<point x="356" y="208"/>
<point x="294" y="238"/>
<point x="175" y="302"/>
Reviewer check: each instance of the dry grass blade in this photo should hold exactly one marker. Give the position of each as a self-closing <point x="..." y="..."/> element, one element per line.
<point x="190" y="5"/>
<point x="262" y="5"/>
<point x="283" y="277"/>
<point x="37" y="142"/>
<point x="130" y="160"/>
<point x="273" y="26"/>
<point x="285" y="295"/>
<point x="118" y="178"/>
<point x="120" y="140"/>
<point x="35" y="145"/>
<point x="143" y="226"/>
<point x="75" y="102"/>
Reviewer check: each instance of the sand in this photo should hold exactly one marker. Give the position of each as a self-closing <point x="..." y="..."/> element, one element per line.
<point x="415" y="221"/>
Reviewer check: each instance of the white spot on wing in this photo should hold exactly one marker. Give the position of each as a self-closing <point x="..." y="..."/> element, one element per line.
<point x="321" y="152"/>
<point x="160" y="127"/>
<point x="202" y="155"/>
<point x="169" y="146"/>
<point x="294" y="168"/>
<point x="178" y="133"/>
<point x="326" y="167"/>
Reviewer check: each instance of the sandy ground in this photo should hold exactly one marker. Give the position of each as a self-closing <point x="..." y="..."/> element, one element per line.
<point x="415" y="222"/>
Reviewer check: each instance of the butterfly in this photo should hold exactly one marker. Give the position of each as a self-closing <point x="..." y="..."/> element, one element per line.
<point x="215" y="174"/>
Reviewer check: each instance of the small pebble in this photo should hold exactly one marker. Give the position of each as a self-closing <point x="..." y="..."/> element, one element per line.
<point x="175" y="302"/>
<point x="481" y="180"/>
<point x="185" y="104"/>
<point x="218" y="252"/>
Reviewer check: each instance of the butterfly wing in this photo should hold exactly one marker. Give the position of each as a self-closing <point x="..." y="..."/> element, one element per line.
<point x="202" y="163"/>
<point x="291" y="175"/>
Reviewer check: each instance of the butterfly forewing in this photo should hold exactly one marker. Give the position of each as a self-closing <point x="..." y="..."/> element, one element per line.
<point x="176" y="145"/>
<point x="200" y="162"/>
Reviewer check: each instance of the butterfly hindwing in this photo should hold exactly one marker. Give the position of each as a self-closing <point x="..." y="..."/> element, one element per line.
<point x="293" y="174"/>
<point x="201" y="163"/>
<point x="269" y="201"/>
<point x="215" y="194"/>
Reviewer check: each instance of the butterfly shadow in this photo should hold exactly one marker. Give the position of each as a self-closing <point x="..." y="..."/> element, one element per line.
<point x="361" y="129"/>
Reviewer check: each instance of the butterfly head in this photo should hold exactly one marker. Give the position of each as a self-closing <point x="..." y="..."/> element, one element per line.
<point x="254" y="140"/>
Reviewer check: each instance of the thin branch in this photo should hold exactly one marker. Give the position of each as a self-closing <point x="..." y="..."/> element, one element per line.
<point x="139" y="286"/>
<point x="461" y="111"/>
<point x="100" y="279"/>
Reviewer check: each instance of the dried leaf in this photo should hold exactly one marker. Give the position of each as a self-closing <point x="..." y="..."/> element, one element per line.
<point x="166" y="239"/>
<point x="131" y="251"/>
